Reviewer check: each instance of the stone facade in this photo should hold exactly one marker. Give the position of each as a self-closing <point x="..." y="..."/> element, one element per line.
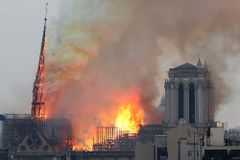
<point x="185" y="144"/>
<point x="25" y="138"/>
<point x="189" y="95"/>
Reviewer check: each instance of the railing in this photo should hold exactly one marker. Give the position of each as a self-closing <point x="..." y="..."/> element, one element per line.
<point x="17" y="116"/>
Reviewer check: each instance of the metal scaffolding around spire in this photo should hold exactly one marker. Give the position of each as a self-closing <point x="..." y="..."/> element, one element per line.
<point x="38" y="97"/>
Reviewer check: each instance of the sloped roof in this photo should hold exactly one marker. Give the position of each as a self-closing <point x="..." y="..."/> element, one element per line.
<point x="186" y="66"/>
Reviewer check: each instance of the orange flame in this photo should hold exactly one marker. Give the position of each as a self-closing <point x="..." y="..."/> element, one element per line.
<point x="75" y="145"/>
<point x="42" y="114"/>
<point x="79" y="147"/>
<point x="130" y="116"/>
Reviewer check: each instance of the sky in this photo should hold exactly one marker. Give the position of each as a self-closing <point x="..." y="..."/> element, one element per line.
<point x="21" y="31"/>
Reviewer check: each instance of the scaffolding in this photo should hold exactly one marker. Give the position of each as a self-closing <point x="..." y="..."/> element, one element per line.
<point x="114" y="139"/>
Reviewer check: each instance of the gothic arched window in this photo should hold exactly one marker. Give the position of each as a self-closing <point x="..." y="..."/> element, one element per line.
<point x="180" y="101"/>
<point x="191" y="103"/>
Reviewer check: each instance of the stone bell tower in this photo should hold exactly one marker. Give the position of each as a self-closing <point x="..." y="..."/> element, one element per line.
<point x="189" y="95"/>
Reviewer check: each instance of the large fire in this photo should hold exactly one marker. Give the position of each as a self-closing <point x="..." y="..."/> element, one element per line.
<point x="125" y="112"/>
<point x="129" y="118"/>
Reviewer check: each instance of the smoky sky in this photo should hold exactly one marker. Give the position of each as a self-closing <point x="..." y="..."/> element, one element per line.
<point x="123" y="44"/>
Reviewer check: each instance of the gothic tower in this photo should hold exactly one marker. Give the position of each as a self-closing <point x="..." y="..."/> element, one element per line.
<point x="189" y="95"/>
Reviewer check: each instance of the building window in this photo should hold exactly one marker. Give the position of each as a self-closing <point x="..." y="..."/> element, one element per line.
<point x="180" y="101"/>
<point x="191" y="104"/>
<point x="162" y="153"/>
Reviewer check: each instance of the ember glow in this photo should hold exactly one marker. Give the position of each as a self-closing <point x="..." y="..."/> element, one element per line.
<point x="130" y="118"/>
<point x="75" y="145"/>
<point x="79" y="147"/>
<point x="43" y="114"/>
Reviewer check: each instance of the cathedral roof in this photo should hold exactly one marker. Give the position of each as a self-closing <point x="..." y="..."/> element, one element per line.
<point x="186" y="66"/>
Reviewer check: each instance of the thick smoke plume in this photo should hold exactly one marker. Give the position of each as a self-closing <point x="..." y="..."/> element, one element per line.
<point x="101" y="50"/>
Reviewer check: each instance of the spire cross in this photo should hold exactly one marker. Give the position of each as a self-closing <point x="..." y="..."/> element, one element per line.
<point x="46" y="12"/>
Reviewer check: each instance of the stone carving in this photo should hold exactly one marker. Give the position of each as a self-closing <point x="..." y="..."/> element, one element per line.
<point x="34" y="141"/>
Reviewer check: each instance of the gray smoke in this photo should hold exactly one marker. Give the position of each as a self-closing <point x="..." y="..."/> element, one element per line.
<point x="100" y="49"/>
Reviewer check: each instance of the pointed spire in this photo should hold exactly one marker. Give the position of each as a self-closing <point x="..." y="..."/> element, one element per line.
<point x="205" y="65"/>
<point x="199" y="63"/>
<point x="38" y="97"/>
<point x="162" y="103"/>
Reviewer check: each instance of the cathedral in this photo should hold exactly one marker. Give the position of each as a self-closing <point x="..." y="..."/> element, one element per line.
<point x="189" y="101"/>
<point x="189" y="95"/>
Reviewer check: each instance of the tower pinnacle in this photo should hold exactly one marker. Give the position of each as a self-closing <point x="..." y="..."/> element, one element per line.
<point x="199" y="63"/>
<point x="38" y="97"/>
